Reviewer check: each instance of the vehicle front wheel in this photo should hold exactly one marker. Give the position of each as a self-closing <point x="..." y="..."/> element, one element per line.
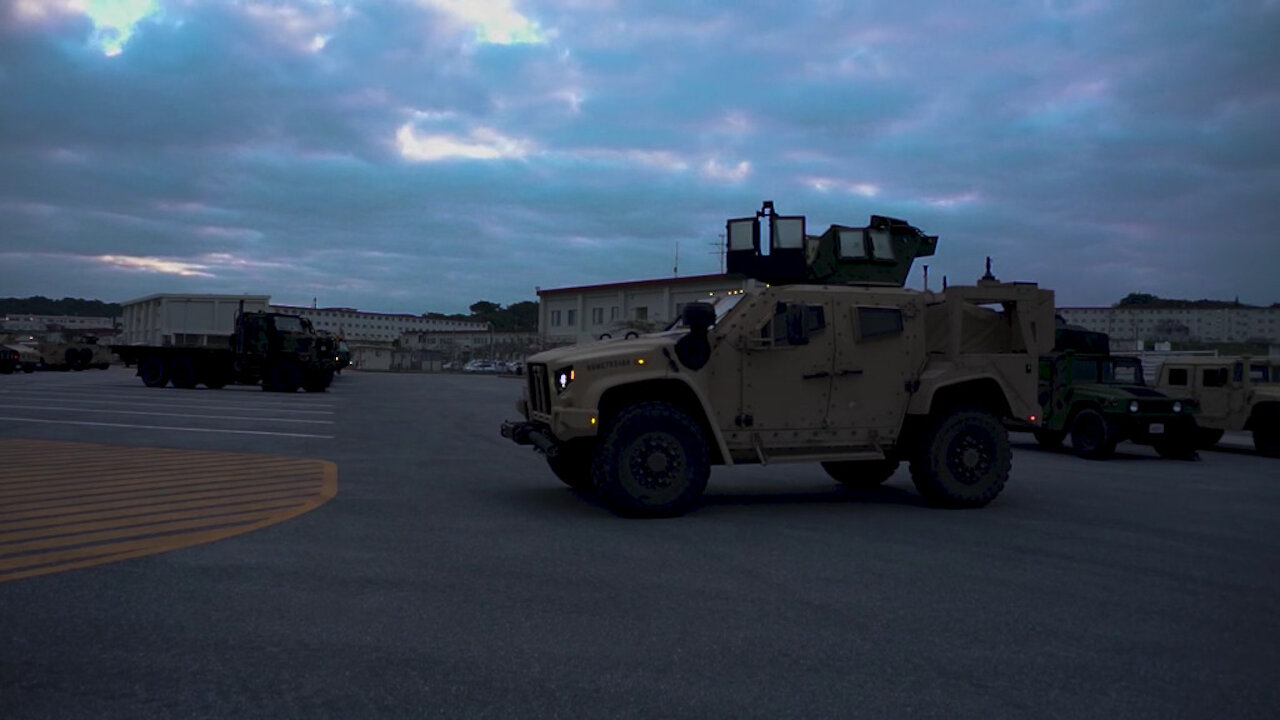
<point x="572" y="464"/>
<point x="963" y="460"/>
<point x="861" y="474"/>
<point x="153" y="372"/>
<point x="653" y="461"/>
<point x="1092" y="435"/>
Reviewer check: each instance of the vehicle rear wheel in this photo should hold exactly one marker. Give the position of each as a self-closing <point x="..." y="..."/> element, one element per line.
<point x="861" y="474"/>
<point x="963" y="460"/>
<point x="1266" y="436"/>
<point x="572" y="464"/>
<point x="153" y="372"/>
<point x="182" y="373"/>
<point x="72" y="358"/>
<point x="1092" y="435"/>
<point x="1208" y="437"/>
<point x="652" y="462"/>
<point x="1050" y="439"/>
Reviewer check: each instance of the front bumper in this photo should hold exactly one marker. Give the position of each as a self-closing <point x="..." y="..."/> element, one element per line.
<point x="531" y="432"/>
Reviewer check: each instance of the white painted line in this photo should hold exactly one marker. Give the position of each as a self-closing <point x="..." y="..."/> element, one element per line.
<point x="228" y="406"/>
<point x="163" y="427"/>
<point x="191" y="415"/>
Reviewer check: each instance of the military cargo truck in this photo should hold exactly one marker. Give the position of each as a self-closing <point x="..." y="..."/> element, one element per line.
<point x="1100" y="400"/>
<point x="824" y="357"/>
<point x="281" y="352"/>
<point x="1235" y="393"/>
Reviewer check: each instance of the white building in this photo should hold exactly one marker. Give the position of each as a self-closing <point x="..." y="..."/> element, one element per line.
<point x="1221" y="325"/>
<point x="584" y="313"/>
<point x="354" y="325"/>
<point x="39" y="323"/>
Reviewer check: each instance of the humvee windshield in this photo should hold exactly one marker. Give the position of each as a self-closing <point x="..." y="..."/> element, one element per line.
<point x="722" y="304"/>
<point x="1116" y="371"/>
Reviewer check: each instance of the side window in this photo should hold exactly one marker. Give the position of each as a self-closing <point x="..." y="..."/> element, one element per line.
<point x="852" y="245"/>
<point x="1178" y="376"/>
<point x="1214" y="377"/>
<point x="874" y="322"/>
<point x="1258" y="373"/>
<point x="881" y="244"/>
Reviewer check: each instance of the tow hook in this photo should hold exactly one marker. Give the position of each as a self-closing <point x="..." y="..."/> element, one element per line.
<point x="531" y="433"/>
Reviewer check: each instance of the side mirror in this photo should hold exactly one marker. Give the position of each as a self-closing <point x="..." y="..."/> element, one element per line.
<point x="797" y="320"/>
<point x="698" y="316"/>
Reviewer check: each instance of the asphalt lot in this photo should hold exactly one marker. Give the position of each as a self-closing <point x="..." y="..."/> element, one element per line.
<point x="454" y="576"/>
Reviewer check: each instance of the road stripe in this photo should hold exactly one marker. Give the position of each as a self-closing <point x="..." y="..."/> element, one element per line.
<point x="167" y="414"/>
<point x="164" y="427"/>
<point x="156" y="500"/>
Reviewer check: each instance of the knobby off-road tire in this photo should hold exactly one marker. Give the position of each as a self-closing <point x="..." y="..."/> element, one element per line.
<point x="1208" y="437"/>
<point x="153" y="372"/>
<point x="572" y="464"/>
<point x="1092" y="435"/>
<point x="1050" y="439"/>
<point x="653" y="461"/>
<point x="182" y="373"/>
<point x="316" y="381"/>
<point x="1266" y="435"/>
<point x="963" y="460"/>
<point x="284" y="376"/>
<point x="861" y="474"/>
<point x="1178" y="445"/>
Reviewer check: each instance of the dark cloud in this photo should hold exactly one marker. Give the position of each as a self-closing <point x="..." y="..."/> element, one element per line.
<point x="381" y="155"/>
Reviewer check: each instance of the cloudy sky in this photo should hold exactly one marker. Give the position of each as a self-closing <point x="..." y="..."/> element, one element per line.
<point x="419" y="155"/>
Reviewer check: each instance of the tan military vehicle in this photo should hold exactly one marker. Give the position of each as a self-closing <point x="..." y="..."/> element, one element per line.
<point x="76" y="353"/>
<point x="823" y="357"/>
<point x="1235" y="393"/>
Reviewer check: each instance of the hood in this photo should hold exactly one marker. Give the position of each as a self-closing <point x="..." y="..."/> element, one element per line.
<point x="611" y="349"/>
<point x="1120" y="391"/>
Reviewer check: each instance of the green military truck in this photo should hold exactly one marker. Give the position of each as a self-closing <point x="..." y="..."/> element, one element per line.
<point x="1100" y="400"/>
<point x="1235" y="393"/>
<point x="280" y="352"/>
<point x="822" y="357"/>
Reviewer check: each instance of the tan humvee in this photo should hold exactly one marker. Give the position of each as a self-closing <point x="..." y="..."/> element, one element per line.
<point x="857" y="376"/>
<point x="1235" y="393"/>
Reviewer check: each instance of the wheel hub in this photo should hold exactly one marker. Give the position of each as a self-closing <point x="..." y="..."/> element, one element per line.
<point x="970" y="460"/>
<point x="655" y="461"/>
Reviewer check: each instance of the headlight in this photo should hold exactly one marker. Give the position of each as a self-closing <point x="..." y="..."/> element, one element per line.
<point x="564" y="376"/>
<point x="1177" y="406"/>
<point x="1133" y="406"/>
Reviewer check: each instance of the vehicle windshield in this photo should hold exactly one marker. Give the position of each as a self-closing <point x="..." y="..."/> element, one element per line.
<point x="722" y="304"/>
<point x="1113" y="371"/>
<point x="289" y="323"/>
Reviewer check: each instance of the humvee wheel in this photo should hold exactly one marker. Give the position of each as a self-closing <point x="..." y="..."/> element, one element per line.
<point x="153" y="372"/>
<point x="1092" y="436"/>
<point x="1266" y="436"/>
<point x="861" y="474"/>
<point x="1050" y="439"/>
<point x="652" y="462"/>
<point x="182" y="372"/>
<point x="1208" y="437"/>
<point x="963" y="460"/>
<point x="572" y="464"/>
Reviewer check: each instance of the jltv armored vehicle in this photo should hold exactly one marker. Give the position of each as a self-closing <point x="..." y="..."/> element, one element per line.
<point x="282" y="352"/>
<point x="1235" y="393"/>
<point x="1100" y="399"/>
<point x="823" y="357"/>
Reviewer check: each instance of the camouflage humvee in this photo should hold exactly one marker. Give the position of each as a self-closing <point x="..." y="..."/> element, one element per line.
<point x="1235" y="393"/>
<point x="822" y="357"/>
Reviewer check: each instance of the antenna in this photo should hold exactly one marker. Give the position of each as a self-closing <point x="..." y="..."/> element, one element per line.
<point x="675" y="270"/>
<point x="719" y="250"/>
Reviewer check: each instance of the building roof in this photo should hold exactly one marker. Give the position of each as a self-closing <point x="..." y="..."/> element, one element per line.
<point x="657" y="282"/>
<point x="189" y="296"/>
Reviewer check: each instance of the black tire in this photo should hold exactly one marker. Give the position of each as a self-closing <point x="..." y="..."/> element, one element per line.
<point x="217" y="382"/>
<point x="1266" y="436"/>
<point x="652" y="461"/>
<point x="1208" y="437"/>
<point x="631" y="334"/>
<point x="963" y="460"/>
<point x="29" y="368"/>
<point x="182" y="373"/>
<point x="1177" y="445"/>
<point x="284" y="376"/>
<point x="605" y="336"/>
<point x="72" y="358"/>
<point x="85" y="358"/>
<point x="572" y="464"/>
<point x="1050" y="439"/>
<point x="153" y="372"/>
<point x="861" y="474"/>
<point x="1093" y="436"/>
<point x="315" y="381"/>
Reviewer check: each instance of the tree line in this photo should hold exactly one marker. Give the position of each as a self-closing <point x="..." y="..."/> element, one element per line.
<point x="40" y="305"/>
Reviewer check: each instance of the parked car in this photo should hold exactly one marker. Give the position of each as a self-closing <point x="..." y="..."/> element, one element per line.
<point x="481" y="366"/>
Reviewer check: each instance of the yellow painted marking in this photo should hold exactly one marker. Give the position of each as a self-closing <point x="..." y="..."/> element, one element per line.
<point x="72" y="505"/>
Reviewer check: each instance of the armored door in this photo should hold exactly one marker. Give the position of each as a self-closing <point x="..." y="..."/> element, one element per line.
<point x="879" y="350"/>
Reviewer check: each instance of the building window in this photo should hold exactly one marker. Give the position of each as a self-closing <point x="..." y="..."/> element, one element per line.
<point x="571" y="317"/>
<point x="641" y="313"/>
<point x="613" y="313"/>
<point x="597" y="316"/>
<point x="555" y="318"/>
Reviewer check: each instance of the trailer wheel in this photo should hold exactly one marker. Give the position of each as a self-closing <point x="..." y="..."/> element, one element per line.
<point x="963" y="461"/>
<point x="861" y="474"/>
<point x="182" y="371"/>
<point x="153" y="372"/>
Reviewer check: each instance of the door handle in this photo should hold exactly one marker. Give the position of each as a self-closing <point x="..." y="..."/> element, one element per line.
<point x="817" y="375"/>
